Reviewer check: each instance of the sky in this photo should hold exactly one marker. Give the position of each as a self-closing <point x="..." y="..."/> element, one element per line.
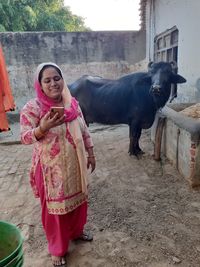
<point x="107" y="15"/>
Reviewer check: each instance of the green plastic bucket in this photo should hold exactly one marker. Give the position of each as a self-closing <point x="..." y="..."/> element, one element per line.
<point x="11" y="251"/>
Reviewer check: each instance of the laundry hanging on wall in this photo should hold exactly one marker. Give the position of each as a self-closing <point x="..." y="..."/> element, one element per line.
<point x="6" y="97"/>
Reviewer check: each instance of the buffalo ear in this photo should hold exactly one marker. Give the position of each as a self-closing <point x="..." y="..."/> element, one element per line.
<point x="176" y="78"/>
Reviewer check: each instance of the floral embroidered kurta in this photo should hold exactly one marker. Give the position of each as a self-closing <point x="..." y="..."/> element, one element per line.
<point x="62" y="159"/>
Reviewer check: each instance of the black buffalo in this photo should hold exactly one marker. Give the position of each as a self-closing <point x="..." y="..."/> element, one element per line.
<point x="132" y="99"/>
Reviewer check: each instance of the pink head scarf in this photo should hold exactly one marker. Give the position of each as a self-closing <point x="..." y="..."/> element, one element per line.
<point x="70" y="103"/>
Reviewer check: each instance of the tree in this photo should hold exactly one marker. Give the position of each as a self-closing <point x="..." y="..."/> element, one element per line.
<point x="38" y="15"/>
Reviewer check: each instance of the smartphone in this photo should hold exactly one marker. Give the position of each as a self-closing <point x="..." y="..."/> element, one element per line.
<point x="59" y="110"/>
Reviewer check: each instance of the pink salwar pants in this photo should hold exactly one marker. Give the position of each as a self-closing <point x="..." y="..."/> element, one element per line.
<point x="60" y="229"/>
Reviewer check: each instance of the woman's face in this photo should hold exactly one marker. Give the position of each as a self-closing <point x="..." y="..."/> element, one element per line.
<point x="52" y="83"/>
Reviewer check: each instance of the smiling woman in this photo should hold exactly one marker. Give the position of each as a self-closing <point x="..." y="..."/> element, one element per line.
<point x="52" y="82"/>
<point x="63" y="151"/>
<point x="107" y="15"/>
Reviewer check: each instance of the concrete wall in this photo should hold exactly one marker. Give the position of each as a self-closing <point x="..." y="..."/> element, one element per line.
<point x="184" y="14"/>
<point x="180" y="143"/>
<point x="176" y="146"/>
<point x="107" y="54"/>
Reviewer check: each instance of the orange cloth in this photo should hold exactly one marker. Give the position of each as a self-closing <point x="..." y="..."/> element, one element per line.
<point x="3" y="120"/>
<point x="6" y="98"/>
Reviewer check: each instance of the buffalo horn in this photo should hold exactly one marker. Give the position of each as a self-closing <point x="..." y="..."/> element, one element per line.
<point x="174" y="65"/>
<point x="150" y="65"/>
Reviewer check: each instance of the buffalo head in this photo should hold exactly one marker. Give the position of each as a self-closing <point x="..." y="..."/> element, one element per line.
<point x="162" y="75"/>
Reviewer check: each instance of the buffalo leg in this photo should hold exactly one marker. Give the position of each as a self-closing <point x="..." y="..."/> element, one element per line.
<point x="85" y="118"/>
<point x="134" y="134"/>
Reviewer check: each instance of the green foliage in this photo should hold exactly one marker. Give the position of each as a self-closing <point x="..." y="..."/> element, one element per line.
<point x="2" y="29"/>
<point x="38" y="15"/>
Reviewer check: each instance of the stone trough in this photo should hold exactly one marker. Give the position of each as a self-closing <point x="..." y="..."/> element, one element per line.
<point x="177" y="136"/>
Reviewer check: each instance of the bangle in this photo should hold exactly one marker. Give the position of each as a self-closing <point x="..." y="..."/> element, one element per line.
<point x="92" y="156"/>
<point x="41" y="132"/>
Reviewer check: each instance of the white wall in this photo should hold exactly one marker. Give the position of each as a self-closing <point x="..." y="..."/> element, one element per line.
<point x="184" y="14"/>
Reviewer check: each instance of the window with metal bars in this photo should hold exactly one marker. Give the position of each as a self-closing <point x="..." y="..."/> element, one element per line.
<point x="166" y="49"/>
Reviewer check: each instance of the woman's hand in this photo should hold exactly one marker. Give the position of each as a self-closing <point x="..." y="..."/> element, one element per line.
<point x="91" y="162"/>
<point x="47" y="123"/>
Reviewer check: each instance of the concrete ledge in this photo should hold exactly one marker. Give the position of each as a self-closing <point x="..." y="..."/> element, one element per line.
<point x="8" y="143"/>
<point x="180" y="142"/>
<point x="13" y="136"/>
<point x="189" y="124"/>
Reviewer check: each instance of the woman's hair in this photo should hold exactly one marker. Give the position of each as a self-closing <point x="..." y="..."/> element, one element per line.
<point x="46" y="67"/>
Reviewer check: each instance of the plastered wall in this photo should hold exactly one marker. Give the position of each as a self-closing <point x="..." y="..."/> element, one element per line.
<point x="106" y="54"/>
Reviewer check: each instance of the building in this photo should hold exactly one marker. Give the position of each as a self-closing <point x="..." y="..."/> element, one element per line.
<point x="172" y="33"/>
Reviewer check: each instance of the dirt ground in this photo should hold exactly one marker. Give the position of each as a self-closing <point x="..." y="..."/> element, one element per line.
<point x="141" y="212"/>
